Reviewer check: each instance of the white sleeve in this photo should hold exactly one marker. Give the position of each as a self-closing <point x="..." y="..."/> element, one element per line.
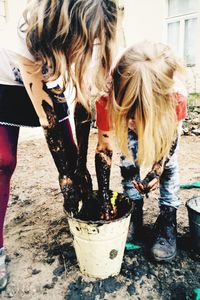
<point x="14" y="40"/>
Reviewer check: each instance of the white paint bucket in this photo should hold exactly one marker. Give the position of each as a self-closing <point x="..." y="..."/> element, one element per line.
<point x="99" y="245"/>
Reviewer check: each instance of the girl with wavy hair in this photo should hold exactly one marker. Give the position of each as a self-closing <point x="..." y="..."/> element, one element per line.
<point x="50" y="50"/>
<point x="146" y="104"/>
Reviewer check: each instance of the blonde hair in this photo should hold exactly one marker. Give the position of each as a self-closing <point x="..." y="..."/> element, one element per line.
<point x="143" y="90"/>
<point x="60" y="34"/>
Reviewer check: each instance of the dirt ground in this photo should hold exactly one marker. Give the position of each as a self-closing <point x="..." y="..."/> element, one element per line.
<point x="41" y="259"/>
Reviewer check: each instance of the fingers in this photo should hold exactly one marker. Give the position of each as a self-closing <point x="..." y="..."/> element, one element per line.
<point x="139" y="186"/>
<point x="153" y="184"/>
<point x="83" y="181"/>
<point x="107" y="214"/>
<point x="108" y="210"/>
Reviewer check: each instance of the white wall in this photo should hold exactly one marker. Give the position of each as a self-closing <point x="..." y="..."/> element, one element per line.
<point x="144" y="19"/>
<point x="14" y="9"/>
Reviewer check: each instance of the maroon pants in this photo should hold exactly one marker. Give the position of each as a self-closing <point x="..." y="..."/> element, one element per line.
<point x="8" y="151"/>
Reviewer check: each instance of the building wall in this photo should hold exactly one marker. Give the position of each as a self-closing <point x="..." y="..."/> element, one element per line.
<point x="10" y="10"/>
<point x="147" y="20"/>
<point x="2" y="13"/>
<point x="144" y="19"/>
<point x="13" y="9"/>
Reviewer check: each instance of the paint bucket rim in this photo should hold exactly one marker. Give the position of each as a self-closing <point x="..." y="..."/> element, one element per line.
<point x="191" y="208"/>
<point x="102" y="222"/>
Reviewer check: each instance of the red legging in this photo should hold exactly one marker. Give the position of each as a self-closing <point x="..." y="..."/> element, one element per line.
<point x="8" y="150"/>
<point x="65" y="160"/>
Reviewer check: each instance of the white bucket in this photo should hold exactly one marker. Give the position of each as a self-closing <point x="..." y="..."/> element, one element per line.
<point x="99" y="245"/>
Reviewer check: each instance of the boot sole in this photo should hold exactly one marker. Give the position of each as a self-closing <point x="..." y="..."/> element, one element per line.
<point x="164" y="259"/>
<point x="4" y="284"/>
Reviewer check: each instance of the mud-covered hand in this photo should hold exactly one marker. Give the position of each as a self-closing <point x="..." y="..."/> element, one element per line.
<point x="71" y="194"/>
<point x="151" y="180"/>
<point x="83" y="181"/>
<point x="107" y="211"/>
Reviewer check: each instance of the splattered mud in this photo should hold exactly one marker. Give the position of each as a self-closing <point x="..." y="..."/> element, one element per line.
<point x="41" y="259"/>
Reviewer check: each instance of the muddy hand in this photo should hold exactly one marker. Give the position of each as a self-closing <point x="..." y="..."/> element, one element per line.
<point x="149" y="183"/>
<point x="70" y="193"/>
<point x="83" y="181"/>
<point x="107" y="211"/>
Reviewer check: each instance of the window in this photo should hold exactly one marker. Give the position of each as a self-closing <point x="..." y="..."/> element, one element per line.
<point x="190" y="41"/>
<point x="2" y="13"/>
<point x="182" y="22"/>
<point x="181" y="7"/>
<point x="173" y="35"/>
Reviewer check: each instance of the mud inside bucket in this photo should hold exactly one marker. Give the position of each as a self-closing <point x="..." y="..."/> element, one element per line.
<point x="99" y="245"/>
<point x="193" y="206"/>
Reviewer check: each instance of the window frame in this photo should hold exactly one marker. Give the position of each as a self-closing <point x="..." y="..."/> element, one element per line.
<point x="182" y="18"/>
<point x="3" y="14"/>
<point x="180" y="14"/>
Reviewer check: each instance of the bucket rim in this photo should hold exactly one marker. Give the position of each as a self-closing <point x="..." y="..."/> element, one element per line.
<point x="188" y="206"/>
<point x="101" y="222"/>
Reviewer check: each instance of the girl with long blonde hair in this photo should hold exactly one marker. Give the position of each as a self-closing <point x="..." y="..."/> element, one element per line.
<point x="146" y="105"/>
<point x="48" y="51"/>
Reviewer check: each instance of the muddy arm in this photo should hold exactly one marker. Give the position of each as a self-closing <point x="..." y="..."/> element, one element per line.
<point x="51" y="108"/>
<point x="103" y="161"/>
<point x="152" y="178"/>
<point x="64" y="152"/>
<point x="82" y="121"/>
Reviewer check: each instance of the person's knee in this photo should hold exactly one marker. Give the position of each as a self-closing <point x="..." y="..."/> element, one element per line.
<point x="7" y="163"/>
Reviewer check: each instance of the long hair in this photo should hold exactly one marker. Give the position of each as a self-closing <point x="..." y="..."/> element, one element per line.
<point x="143" y="91"/>
<point x="60" y="35"/>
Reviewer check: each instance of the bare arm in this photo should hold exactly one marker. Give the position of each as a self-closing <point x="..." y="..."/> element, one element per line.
<point x="33" y="82"/>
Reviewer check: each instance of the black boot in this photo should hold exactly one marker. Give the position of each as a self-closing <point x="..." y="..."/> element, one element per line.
<point x="136" y="223"/>
<point x="164" y="231"/>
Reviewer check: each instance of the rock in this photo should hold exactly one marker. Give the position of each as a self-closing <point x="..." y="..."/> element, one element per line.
<point x="35" y="271"/>
<point x="196" y="121"/>
<point x="50" y="260"/>
<point x="196" y="131"/>
<point x="58" y="271"/>
<point x="131" y="289"/>
<point x="110" y="285"/>
<point x="48" y="286"/>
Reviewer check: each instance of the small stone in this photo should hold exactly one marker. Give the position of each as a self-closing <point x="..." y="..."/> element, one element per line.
<point x="8" y="259"/>
<point x="48" y="286"/>
<point x="35" y="271"/>
<point x="50" y="260"/>
<point x="196" y="131"/>
<point x="131" y="289"/>
<point x="58" y="271"/>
